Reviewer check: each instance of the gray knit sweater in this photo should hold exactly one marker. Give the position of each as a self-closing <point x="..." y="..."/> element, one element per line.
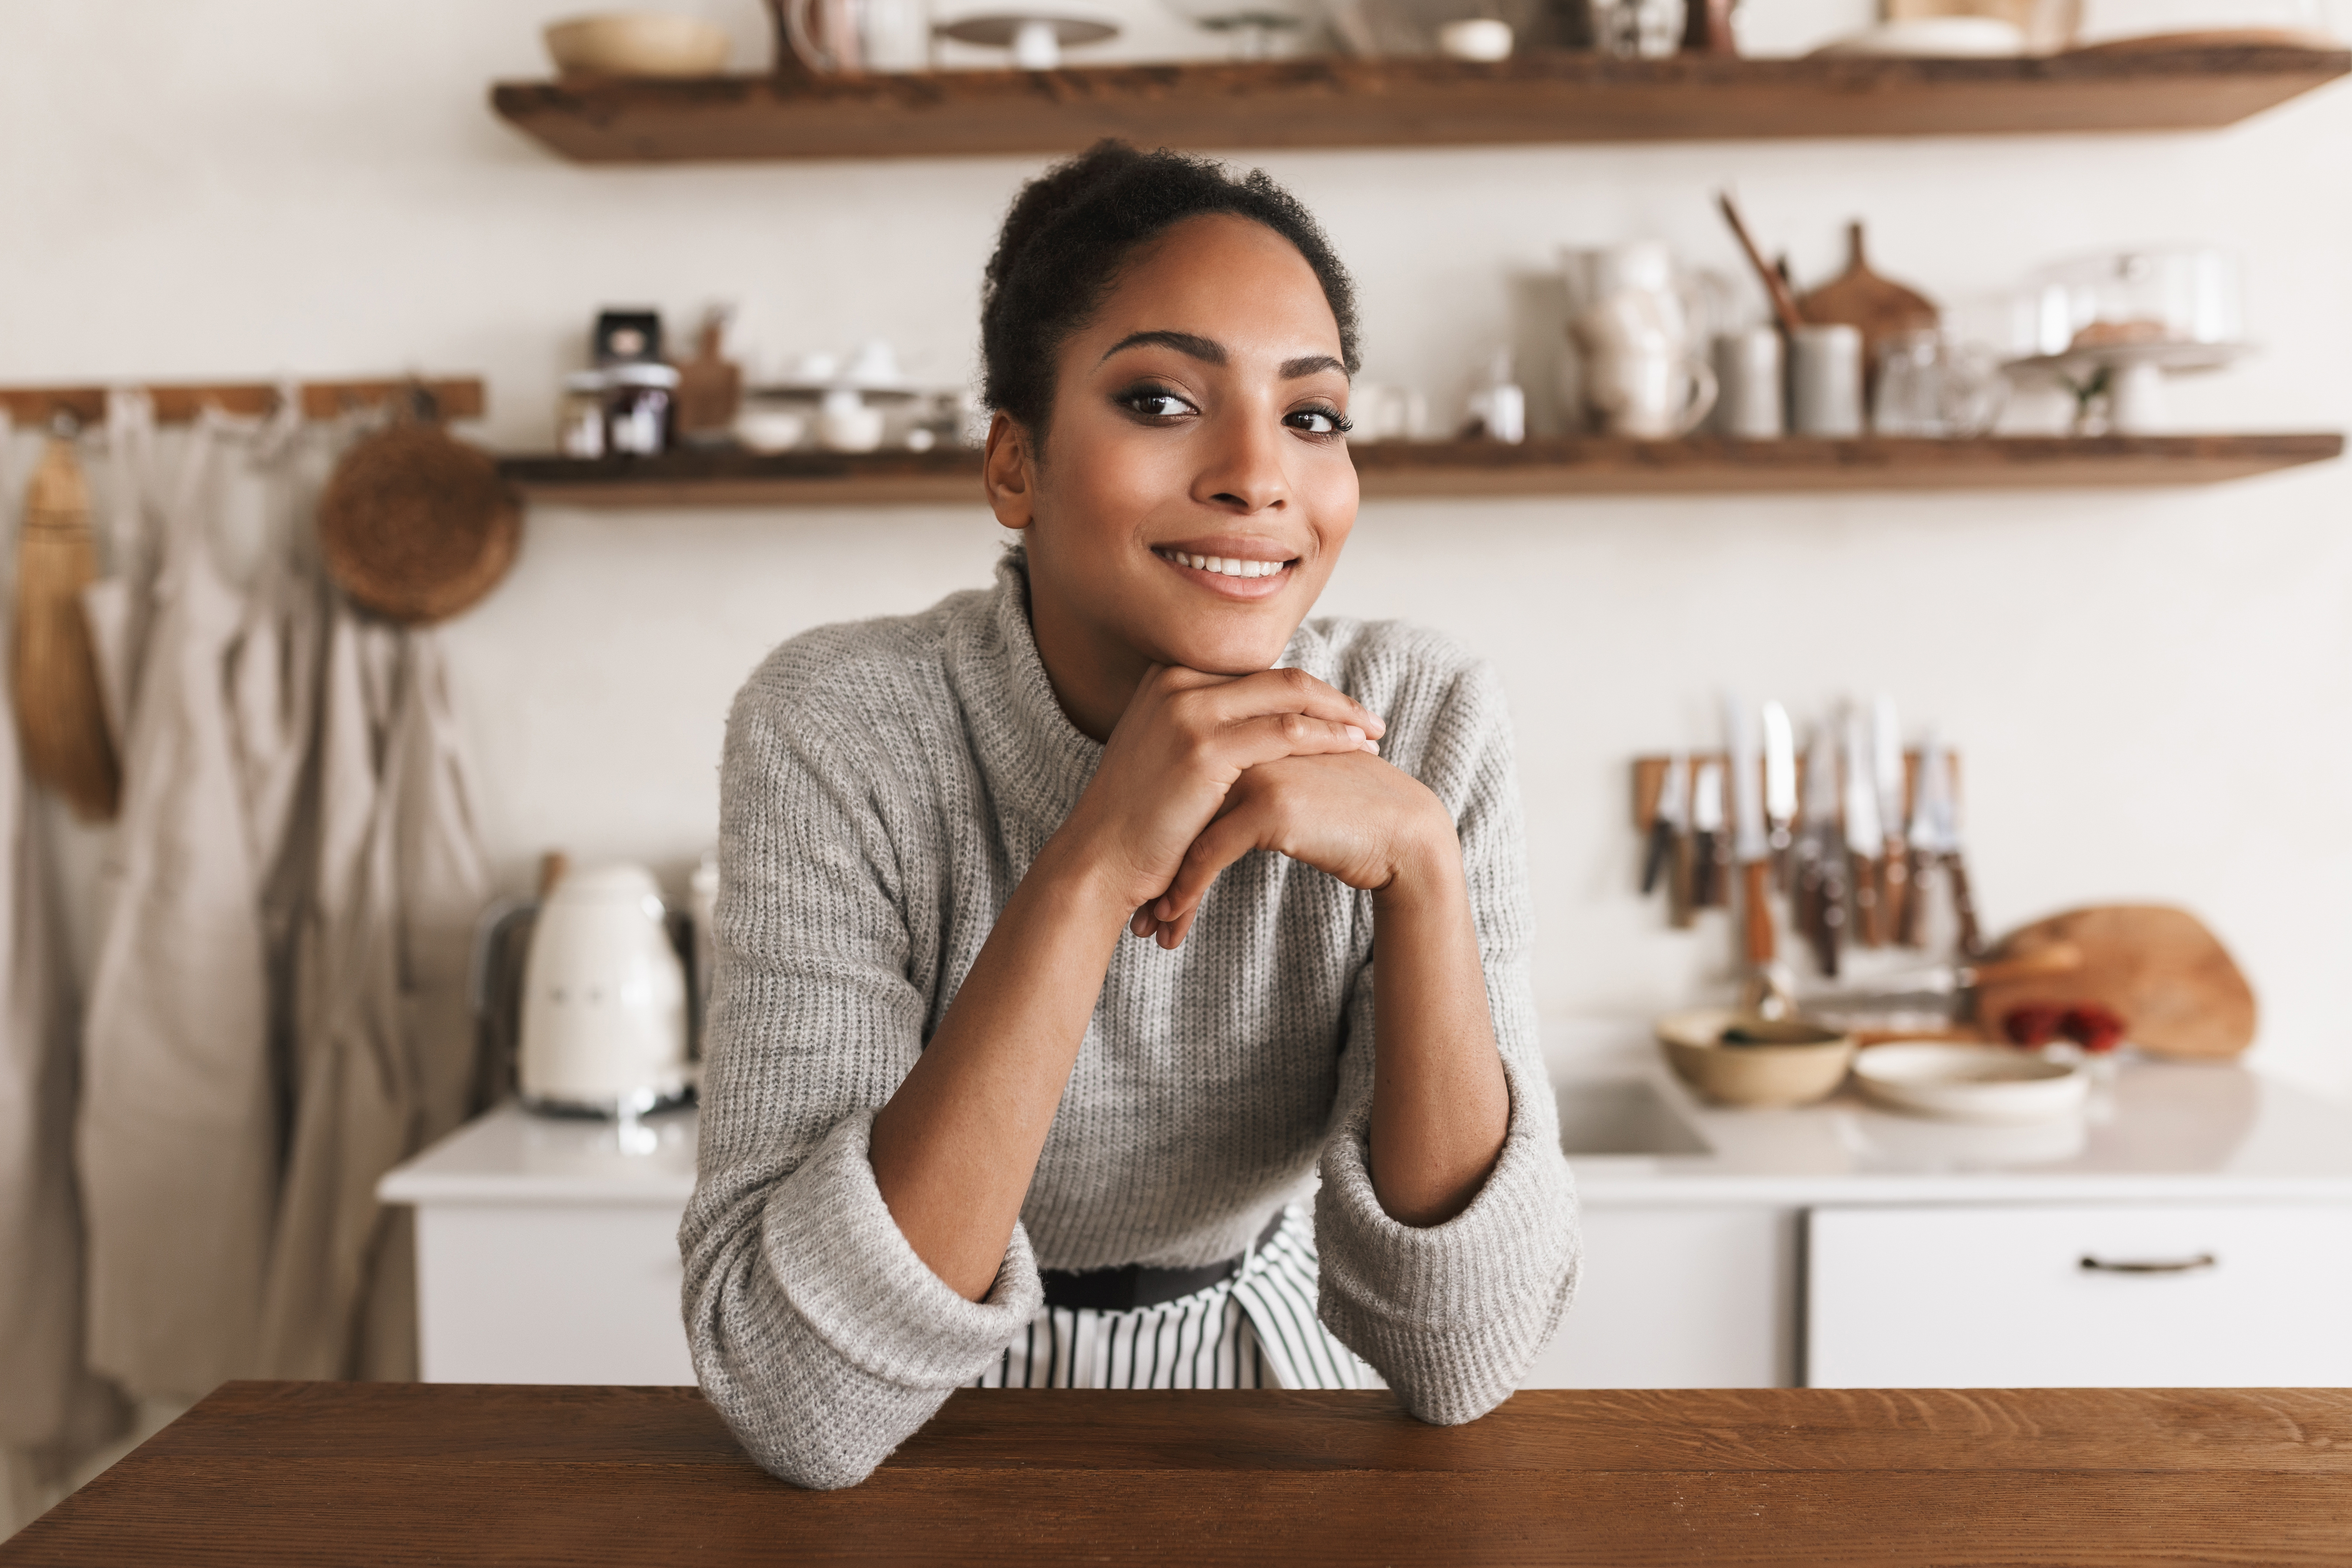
<point x="886" y="786"/>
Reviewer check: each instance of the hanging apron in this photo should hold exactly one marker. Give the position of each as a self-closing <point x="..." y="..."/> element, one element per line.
<point x="54" y="1410"/>
<point x="385" y="1055"/>
<point x="177" y="1138"/>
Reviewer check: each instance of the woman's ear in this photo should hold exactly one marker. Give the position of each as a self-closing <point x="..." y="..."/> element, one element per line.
<point x="1009" y="472"/>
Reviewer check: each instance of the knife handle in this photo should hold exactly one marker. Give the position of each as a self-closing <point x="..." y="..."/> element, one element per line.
<point x="1863" y="880"/>
<point x="1756" y="914"/>
<point x="1682" y="901"/>
<point x="1964" y="904"/>
<point x="1916" y="898"/>
<point x="1835" y="910"/>
<point x="1661" y="849"/>
<point x="1895" y="890"/>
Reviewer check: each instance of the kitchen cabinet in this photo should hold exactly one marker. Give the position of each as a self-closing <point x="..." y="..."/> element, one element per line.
<point x="1834" y="1244"/>
<point x="1326" y="101"/>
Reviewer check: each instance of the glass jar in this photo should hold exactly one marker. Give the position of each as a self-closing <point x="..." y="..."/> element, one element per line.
<point x="580" y="417"/>
<point x="642" y="408"/>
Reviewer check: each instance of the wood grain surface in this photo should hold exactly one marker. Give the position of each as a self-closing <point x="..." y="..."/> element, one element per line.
<point x="1545" y="96"/>
<point x="267" y="1473"/>
<point x="1566" y="466"/>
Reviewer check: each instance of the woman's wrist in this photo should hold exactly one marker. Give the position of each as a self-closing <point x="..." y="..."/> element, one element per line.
<point x="1427" y="869"/>
<point x="1081" y="880"/>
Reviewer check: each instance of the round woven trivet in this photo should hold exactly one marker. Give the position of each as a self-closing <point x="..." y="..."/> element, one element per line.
<point x="417" y="525"/>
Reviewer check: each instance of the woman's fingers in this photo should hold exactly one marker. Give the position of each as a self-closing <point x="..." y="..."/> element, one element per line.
<point x="1235" y="701"/>
<point x="1222" y="842"/>
<point x="1262" y="739"/>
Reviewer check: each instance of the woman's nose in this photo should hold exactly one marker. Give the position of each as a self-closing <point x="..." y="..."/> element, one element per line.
<point x="1245" y="470"/>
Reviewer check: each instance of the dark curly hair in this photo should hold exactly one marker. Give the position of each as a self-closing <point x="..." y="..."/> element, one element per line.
<point x="1072" y="229"/>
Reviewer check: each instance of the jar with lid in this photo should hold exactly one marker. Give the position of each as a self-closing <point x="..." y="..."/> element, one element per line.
<point x="580" y="417"/>
<point x="641" y="408"/>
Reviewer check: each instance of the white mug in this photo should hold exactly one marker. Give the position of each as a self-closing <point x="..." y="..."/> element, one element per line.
<point x="1639" y="376"/>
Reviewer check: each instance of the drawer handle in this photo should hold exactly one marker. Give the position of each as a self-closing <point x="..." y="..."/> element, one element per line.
<point x="2203" y="1261"/>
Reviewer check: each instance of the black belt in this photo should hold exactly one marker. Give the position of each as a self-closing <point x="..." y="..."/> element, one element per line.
<point x="1133" y="1284"/>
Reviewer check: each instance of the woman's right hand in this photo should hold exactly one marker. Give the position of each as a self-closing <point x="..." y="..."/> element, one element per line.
<point x="1184" y="741"/>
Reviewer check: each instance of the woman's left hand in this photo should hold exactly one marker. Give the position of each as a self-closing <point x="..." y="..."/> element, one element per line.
<point x="1360" y="818"/>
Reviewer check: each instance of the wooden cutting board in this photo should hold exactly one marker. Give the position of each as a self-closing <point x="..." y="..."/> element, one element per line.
<point x="1860" y="298"/>
<point x="2170" y="980"/>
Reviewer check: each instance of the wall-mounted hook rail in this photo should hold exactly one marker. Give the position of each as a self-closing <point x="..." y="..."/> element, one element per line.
<point x="458" y="397"/>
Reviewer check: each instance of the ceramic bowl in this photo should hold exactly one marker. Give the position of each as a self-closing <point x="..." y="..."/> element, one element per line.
<point x="636" y="43"/>
<point x="1971" y="1083"/>
<point x="1798" y="1064"/>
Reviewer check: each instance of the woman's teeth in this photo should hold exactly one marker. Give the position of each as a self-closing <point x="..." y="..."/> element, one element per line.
<point x="1224" y="565"/>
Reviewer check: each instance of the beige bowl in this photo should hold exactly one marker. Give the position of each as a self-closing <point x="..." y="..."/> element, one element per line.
<point x="1806" y="1063"/>
<point x="638" y="42"/>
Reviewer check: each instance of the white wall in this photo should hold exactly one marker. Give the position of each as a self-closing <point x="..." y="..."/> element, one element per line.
<point x="2152" y="687"/>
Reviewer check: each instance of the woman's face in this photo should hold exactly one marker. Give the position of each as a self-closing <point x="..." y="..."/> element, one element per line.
<point x="1197" y="420"/>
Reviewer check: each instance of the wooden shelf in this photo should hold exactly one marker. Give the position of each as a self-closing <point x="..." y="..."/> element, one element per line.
<point x="1331" y="101"/>
<point x="1575" y="465"/>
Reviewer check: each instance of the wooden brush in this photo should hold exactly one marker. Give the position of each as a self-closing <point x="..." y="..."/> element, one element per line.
<point x="60" y="716"/>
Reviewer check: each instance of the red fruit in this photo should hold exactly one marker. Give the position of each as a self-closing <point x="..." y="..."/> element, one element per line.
<point x="2033" y="1026"/>
<point x="2092" y="1026"/>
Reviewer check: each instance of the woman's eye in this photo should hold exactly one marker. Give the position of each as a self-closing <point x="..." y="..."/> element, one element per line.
<point x="1155" y="404"/>
<point x="1319" y="421"/>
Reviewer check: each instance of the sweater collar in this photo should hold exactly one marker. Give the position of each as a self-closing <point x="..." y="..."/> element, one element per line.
<point x="1037" y="762"/>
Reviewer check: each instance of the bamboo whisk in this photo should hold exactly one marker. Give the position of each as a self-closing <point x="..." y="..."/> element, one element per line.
<point x="60" y="716"/>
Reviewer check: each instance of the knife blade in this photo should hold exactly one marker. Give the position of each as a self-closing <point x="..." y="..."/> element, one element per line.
<point x="1864" y="839"/>
<point x="1894" y="867"/>
<point x="1779" y="787"/>
<point x="1820" y="855"/>
<point x="1954" y="858"/>
<point x="1710" y="850"/>
<point x="1668" y="821"/>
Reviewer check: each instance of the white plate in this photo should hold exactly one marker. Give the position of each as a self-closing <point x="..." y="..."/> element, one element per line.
<point x="1970" y="1083"/>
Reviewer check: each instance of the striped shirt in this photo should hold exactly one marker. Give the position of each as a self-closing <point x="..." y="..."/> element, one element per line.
<point x="1256" y="1330"/>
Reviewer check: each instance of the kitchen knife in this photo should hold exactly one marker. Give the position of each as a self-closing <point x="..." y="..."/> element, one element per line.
<point x="1779" y="787"/>
<point x="1951" y="857"/>
<point x="1669" y="820"/>
<point x="1710" y="850"/>
<point x="1863" y="839"/>
<point x="1751" y="844"/>
<point x="1895" y="869"/>
<point x="1912" y="932"/>
<point x="1820" y="855"/>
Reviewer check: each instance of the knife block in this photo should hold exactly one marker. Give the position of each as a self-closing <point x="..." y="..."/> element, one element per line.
<point x="1650" y="778"/>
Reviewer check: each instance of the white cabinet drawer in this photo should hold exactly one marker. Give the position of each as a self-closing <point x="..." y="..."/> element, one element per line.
<point x="539" y="1293"/>
<point x="2084" y="1297"/>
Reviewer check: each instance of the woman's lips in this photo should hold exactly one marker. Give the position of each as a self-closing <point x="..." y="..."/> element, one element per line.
<point x="1230" y="576"/>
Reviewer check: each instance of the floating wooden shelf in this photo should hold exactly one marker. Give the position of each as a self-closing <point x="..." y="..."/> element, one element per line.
<point x="1574" y="466"/>
<point x="1332" y="102"/>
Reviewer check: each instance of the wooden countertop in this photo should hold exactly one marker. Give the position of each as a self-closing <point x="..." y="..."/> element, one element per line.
<point x="310" y="1473"/>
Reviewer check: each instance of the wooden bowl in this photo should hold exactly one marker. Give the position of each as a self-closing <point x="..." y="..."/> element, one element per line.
<point x="638" y="42"/>
<point x="415" y="525"/>
<point x="1805" y="1062"/>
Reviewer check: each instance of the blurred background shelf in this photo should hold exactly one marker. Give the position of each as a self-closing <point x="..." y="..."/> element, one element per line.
<point x="1333" y="101"/>
<point x="1569" y="466"/>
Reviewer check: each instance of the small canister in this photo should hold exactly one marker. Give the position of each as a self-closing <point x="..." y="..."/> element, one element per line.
<point x="1748" y="366"/>
<point x="1826" y="380"/>
<point x="580" y="418"/>
<point x="642" y="408"/>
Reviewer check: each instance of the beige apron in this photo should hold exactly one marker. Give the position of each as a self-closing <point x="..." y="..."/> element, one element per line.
<point x="52" y="1410"/>
<point x="384" y="1051"/>
<point x="177" y="1144"/>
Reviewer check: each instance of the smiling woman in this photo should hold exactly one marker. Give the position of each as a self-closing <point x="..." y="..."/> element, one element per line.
<point x="1045" y="973"/>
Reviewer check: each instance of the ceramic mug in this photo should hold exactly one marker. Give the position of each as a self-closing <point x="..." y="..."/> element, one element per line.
<point x="1639" y="377"/>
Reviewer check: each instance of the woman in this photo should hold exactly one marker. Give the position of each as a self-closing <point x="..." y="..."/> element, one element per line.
<point x="1046" y="931"/>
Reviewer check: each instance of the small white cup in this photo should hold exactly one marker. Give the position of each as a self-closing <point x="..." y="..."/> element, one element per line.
<point x="1825" y="381"/>
<point x="1475" y="38"/>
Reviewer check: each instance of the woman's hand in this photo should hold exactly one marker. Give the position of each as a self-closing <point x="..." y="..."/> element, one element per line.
<point x="1366" y="822"/>
<point x="1184" y="743"/>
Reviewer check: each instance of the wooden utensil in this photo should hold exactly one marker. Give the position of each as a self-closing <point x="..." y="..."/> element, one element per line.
<point x="1880" y="307"/>
<point x="1776" y="286"/>
<point x="415" y="525"/>
<point x="2171" y="981"/>
<point x="61" y="715"/>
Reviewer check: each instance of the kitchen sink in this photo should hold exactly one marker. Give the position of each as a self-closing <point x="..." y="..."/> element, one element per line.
<point x="1623" y="1116"/>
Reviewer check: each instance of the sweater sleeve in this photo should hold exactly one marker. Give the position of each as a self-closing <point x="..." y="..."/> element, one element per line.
<point x="817" y="1331"/>
<point x="1451" y="1315"/>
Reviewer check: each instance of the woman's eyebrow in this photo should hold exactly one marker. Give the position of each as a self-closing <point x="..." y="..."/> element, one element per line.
<point x="1312" y="364"/>
<point x="1200" y="348"/>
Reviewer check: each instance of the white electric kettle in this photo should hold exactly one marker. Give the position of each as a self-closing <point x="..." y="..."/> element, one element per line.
<point x="603" y="1006"/>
